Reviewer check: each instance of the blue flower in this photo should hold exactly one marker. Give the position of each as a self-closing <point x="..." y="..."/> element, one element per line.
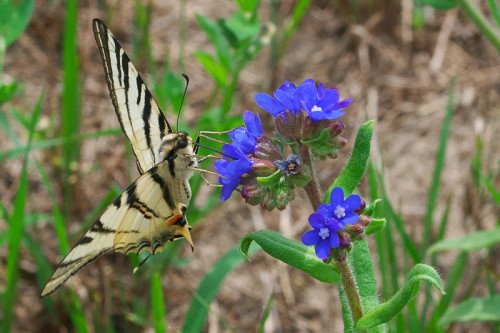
<point x="320" y="103"/>
<point x="289" y="166"/>
<point x="340" y="209"/>
<point x="284" y="99"/>
<point x="324" y="234"/>
<point x="245" y="138"/>
<point x="231" y="169"/>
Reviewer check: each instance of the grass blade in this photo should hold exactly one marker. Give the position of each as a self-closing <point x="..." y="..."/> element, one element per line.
<point x="16" y="226"/>
<point x="157" y="304"/>
<point x="49" y="143"/>
<point x="438" y="170"/>
<point x="209" y="286"/>
<point x="265" y="314"/>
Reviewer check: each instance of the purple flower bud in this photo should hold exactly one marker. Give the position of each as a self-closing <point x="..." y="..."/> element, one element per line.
<point x="364" y="220"/>
<point x="262" y="168"/>
<point x="361" y="208"/>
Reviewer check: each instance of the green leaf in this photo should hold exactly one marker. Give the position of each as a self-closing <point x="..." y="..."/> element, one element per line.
<point x="370" y="208"/>
<point x="386" y="311"/>
<point x="248" y="5"/>
<point x="157" y="304"/>
<point x="216" y="36"/>
<point x="208" y="288"/>
<point x="375" y="226"/>
<point x="14" y="18"/>
<point x="440" y="4"/>
<point x="355" y="167"/>
<point x="8" y="91"/>
<point x="216" y="70"/>
<point x="292" y="253"/>
<point x="271" y="180"/>
<point x="241" y="28"/>
<point x="361" y="262"/>
<point x="471" y="242"/>
<point x="475" y="309"/>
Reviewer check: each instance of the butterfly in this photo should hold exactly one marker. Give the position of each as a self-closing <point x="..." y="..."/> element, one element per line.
<point x="151" y="211"/>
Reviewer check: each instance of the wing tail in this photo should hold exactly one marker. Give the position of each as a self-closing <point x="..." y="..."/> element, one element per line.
<point x="88" y="248"/>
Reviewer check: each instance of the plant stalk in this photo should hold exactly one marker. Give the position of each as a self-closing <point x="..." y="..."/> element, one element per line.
<point x="313" y="188"/>
<point x="350" y="289"/>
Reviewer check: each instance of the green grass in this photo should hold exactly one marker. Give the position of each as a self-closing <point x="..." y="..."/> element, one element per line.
<point x="16" y="228"/>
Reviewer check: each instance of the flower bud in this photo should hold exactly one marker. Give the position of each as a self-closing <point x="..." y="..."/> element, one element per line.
<point x="361" y="208"/>
<point x="364" y="220"/>
<point x="267" y="149"/>
<point x="336" y="128"/>
<point x="262" y="168"/>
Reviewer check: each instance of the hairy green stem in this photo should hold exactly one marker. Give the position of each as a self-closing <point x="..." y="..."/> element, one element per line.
<point x="313" y="189"/>
<point x="350" y="289"/>
<point x="481" y="22"/>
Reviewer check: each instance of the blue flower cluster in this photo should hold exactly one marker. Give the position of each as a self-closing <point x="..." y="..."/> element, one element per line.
<point x="245" y="138"/>
<point x="329" y="219"/>
<point x="319" y="103"/>
<point x="235" y="162"/>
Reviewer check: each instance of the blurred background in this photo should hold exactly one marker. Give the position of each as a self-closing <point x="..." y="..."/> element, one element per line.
<point x="428" y="72"/>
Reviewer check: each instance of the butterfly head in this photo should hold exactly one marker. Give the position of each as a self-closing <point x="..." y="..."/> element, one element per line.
<point x="177" y="150"/>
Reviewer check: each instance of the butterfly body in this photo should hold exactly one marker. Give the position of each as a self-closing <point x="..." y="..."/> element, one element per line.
<point x="151" y="211"/>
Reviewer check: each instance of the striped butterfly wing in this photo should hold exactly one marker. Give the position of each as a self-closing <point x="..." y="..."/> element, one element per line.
<point x="140" y="116"/>
<point x="143" y="217"/>
<point x="151" y="211"/>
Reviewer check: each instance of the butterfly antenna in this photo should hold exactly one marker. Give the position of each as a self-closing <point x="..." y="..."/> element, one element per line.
<point x="136" y="268"/>
<point x="186" y="77"/>
<point x="214" y="150"/>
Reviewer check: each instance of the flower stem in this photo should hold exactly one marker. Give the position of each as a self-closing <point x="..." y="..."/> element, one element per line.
<point x="350" y="289"/>
<point x="313" y="189"/>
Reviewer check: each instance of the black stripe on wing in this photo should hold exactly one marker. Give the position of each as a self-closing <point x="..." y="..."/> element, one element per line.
<point x="140" y="116"/>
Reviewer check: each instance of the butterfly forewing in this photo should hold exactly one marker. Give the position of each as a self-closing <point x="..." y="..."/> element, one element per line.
<point x="140" y="116"/>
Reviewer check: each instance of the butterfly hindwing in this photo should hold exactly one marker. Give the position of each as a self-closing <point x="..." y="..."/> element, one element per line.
<point x="143" y="217"/>
<point x="140" y="116"/>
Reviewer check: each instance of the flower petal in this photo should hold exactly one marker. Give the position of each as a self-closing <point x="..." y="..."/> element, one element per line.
<point x="227" y="190"/>
<point x="333" y="240"/>
<point x="317" y="116"/>
<point x="352" y="203"/>
<point x="269" y="104"/>
<point x="329" y="100"/>
<point x="253" y="123"/>
<point x="337" y="197"/>
<point x="345" y="103"/>
<point x="307" y="94"/>
<point x="325" y="210"/>
<point x="322" y="249"/>
<point x="350" y="218"/>
<point x="316" y="220"/>
<point x="334" y="114"/>
<point x="311" y="237"/>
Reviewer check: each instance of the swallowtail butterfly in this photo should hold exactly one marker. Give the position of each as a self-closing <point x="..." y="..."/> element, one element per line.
<point x="151" y="211"/>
